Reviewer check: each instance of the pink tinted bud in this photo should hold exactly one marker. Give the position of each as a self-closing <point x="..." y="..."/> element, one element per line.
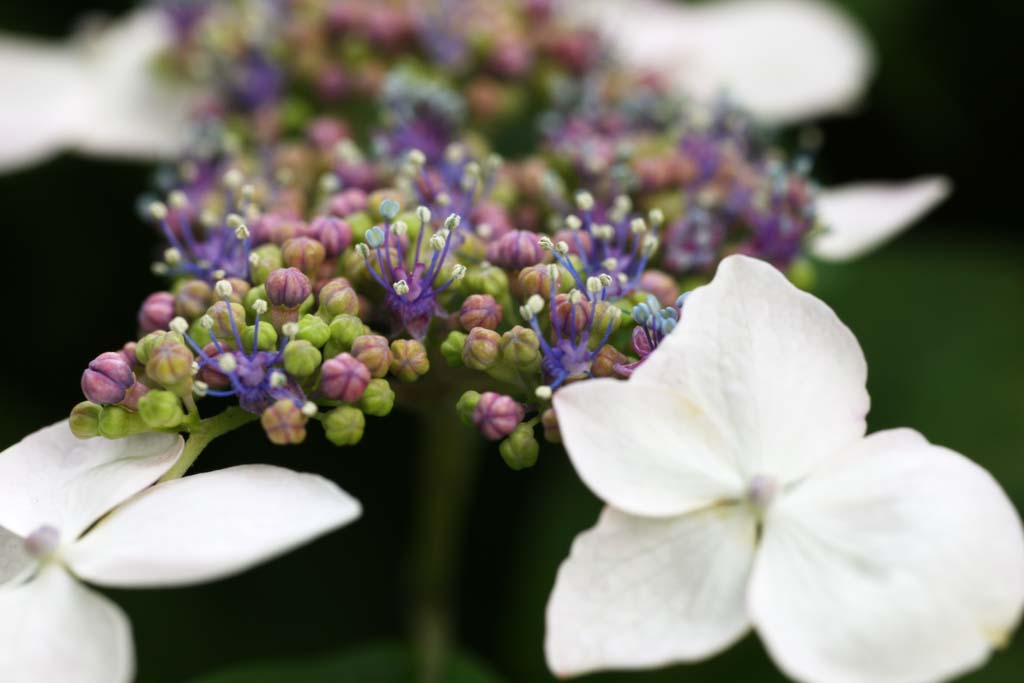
<point x="156" y="312"/>
<point x="304" y="253"/>
<point x="128" y="351"/>
<point x="192" y="299"/>
<point x="567" y="313"/>
<point x="348" y="202"/>
<point x="333" y="233"/>
<point x="515" y="250"/>
<point x="107" y="378"/>
<point x="480" y="310"/>
<point x="288" y="287"/>
<point x="132" y="396"/>
<point x="210" y="373"/>
<point x="496" y="415"/>
<point x="662" y="285"/>
<point x="284" y="423"/>
<point x="373" y="351"/>
<point x="344" y="378"/>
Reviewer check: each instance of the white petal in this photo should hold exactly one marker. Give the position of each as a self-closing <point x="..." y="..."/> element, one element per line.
<point x="902" y="563"/>
<point x="638" y="592"/>
<point x="862" y="216"/>
<point x="51" y="478"/>
<point x="771" y="366"/>
<point x="13" y="557"/>
<point x="208" y="526"/>
<point x="643" y="449"/>
<point x="783" y="60"/>
<point x="54" y="629"/>
<point x="40" y="87"/>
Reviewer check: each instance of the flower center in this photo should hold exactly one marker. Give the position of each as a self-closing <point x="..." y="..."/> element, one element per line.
<point x="761" y="491"/>
<point x="42" y="543"/>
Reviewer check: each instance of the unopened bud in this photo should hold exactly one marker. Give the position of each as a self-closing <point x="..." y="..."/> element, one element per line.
<point x="373" y="351"/>
<point x="161" y="410"/>
<point x="344" y="378"/>
<point x="520" y="449"/>
<point x="409" y="360"/>
<point x="344" y="426"/>
<point x="378" y="399"/>
<point x="496" y="415"/>
<point x="85" y="420"/>
<point x="284" y="423"/>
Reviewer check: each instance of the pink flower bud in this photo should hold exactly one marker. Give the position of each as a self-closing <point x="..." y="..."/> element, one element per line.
<point x="156" y="312"/>
<point x="288" y="287"/>
<point x="107" y="378"/>
<point x="480" y="310"/>
<point x="515" y="250"/>
<point x="344" y="378"/>
<point x="496" y="415"/>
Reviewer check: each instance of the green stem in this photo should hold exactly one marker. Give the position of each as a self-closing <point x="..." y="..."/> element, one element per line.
<point x="202" y="434"/>
<point x="446" y="469"/>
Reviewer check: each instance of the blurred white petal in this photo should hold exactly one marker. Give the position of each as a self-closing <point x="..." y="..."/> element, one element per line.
<point x="638" y="592"/>
<point x="52" y="478"/>
<point x="208" y="526"/>
<point x="902" y="561"/>
<point x="782" y="60"/>
<point x="97" y="93"/>
<point x="861" y="216"/>
<point x="55" y="629"/>
<point x="13" y="557"/>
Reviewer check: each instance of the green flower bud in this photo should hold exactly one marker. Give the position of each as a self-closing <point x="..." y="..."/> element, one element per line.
<point x="360" y="223"/>
<point x="409" y="360"/>
<point x="301" y="359"/>
<point x="344" y="330"/>
<point x="482" y="348"/>
<point x="605" y="314"/>
<point x="221" y="318"/>
<point x="336" y="298"/>
<point x="151" y="341"/>
<point x="520" y="348"/>
<point x="520" y="449"/>
<point x="378" y="399"/>
<point x="252" y="296"/>
<point x="267" y="259"/>
<point x="268" y="336"/>
<point x="465" y="407"/>
<point x="170" y="362"/>
<point x="314" y="330"/>
<point x="116" y="422"/>
<point x="485" y="279"/>
<point x="451" y="348"/>
<point x="372" y="350"/>
<point x="85" y="420"/>
<point x="161" y="410"/>
<point x="344" y="426"/>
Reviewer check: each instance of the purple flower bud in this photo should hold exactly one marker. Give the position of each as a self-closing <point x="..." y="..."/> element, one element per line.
<point x="480" y="310"/>
<point x="662" y="285"/>
<point x="496" y="415"/>
<point x="333" y="233"/>
<point x="156" y="312"/>
<point x="344" y="378"/>
<point x="348" y="202"/>
<point x="373" y="351"/>
<point x="288" y="287"/>
<point x="515" y="250"/>
<point x="107" y="378"/>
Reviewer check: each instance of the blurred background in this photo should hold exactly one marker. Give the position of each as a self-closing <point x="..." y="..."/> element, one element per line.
<point x="939" y="312"/>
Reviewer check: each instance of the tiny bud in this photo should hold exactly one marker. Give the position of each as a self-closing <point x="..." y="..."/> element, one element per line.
<point x="344" y="378"/>
<point x="85" y="420"/>
<point x="378" y="399"/>
<point x="437" y="241"/>
<point x="453" y="221"/>
<point x="466" y="406"/>
<point x="373" y="351"/>
<point x="301" y="359"/>
<point x="284" y="423"/>
<point x="117" y="422"/>
<point x="543" y="392"/>
<point x="480" y="310"/>
<point x="423" y="213"/>
<point x="314" y="330"/>
<point x="606" y="360"/>
<point x="170" y="362"/>
<point x="482" y="349"/>
<point x="107" y="379"/>
<point x="156" y="312"/>
<point x="344" y="426"/>
<point x="458" y="271"/>
<point x="337" y="298"/>
<point x="344" y="330"/>
<point x="288" y="288"/>
<point x="409" y="360"/>
<point x="451" y="348"/>
<point x="161" y="410"/>
<point x="496" y="415"/>
<point x="520" y="348"/>
<point x="549" y="420"/>
<point x="520" y="449"/>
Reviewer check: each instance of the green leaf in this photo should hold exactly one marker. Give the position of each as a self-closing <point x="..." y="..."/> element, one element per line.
<point x="372" y="663"/>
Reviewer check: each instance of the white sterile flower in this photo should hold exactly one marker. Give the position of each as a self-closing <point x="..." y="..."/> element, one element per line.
<point x="861" y="216"/>
<point x="96" y="94"/>
<point x="742" y="492"/>
<point x="782" y="60"/>
<point x="55" y="493"/>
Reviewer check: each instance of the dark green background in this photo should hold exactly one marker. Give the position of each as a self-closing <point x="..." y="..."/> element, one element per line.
<point x="940" y="314"/>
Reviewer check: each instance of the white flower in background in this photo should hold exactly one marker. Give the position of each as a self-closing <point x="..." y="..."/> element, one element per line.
<point x="742" y="492"/>
<point x="54" y="493"/>
<point x="784" y="61"/>
<point x="97" y="94"/>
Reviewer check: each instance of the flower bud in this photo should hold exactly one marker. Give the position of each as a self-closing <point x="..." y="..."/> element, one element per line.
<point x="536" y="280"/>
<point x="344" y="426"/>
<point x="303" y="253"/>
<point x="451" y="348"/>
<point x="284" y="423"/>
<point x="482" y="348"/>
<point x="549" y="420"/>
<point x="567" y="314"/>
<point x="107" y="378"/>
<point x="520" y="348"/>
<point x="221" y="318"/>
<point x="378" y="399"/>
<point x="606" y="316"/>
<point x="496" y="415"/>
<point x="338" y="298"/>
<point x="343" y="378"/>
<point x="301" y="359"/>
<point x="151" y="341"/>
<point x="132" y="396"/>
<point x="117" y="422"/>
<point x="333" y="233"/>
<point x="661" y="285"/>
<point x="170" y="362"/>
<point x="409" y="360"/>
<point x="267" y="340"/>
<point x="85" y="420"/>
<point x="515" y="250"/>
<point x="192" y="299"/>
<point x="520" y="449"/>
<point x="265" y="259"/>
<point x="466" y="406"/>
<point x="156" y="312"/>
<point x="344" y="330"/>
<point x="287" y="288"/>
<point x="480" y="310"/>
<point x="373" y="351"/>
<point x="606" y="360"/>
<point x="161" y="410"/>
<point x="486" y="279"/>
<point x="314" y="330"/>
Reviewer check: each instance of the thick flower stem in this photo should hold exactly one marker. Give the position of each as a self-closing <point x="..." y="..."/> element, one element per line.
<point x="446" y="468"/>
<point x="202" y="434"/>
